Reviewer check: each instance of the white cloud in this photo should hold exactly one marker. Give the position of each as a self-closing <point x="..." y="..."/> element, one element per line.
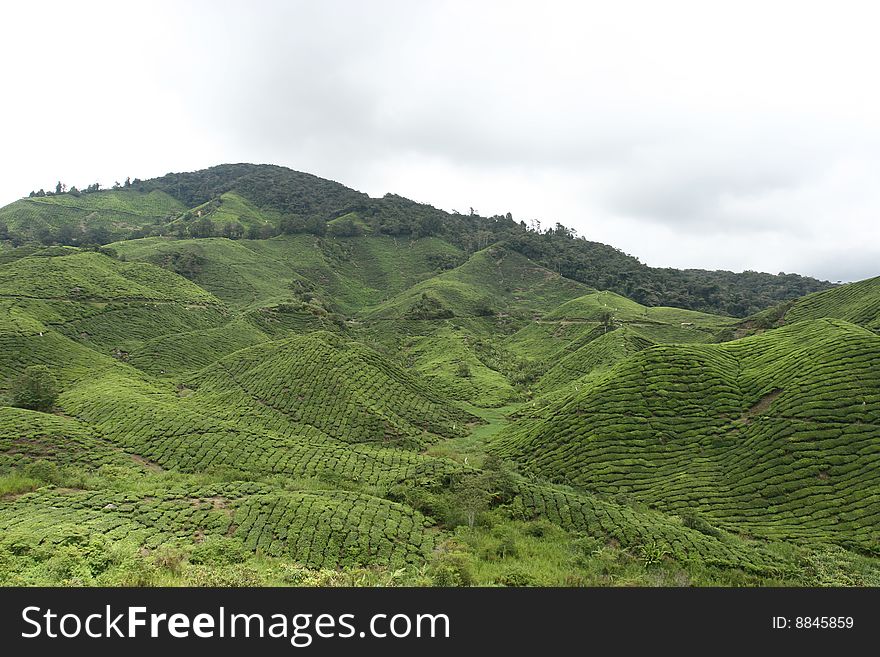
<point x="735" y="135"/>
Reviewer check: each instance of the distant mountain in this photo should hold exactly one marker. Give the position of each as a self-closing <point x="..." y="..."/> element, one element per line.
<point x="259" y="202"/>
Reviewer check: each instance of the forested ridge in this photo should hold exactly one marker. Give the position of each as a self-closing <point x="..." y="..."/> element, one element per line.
<point x="260" y="201"/>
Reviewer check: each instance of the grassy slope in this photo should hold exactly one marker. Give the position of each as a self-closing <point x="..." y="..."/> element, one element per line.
<point x="450" y="326"/>
<point x="351" y="274"/>
<point x="110" y="305"/>
<point x="492" y="281"/>
<point x="117" y="411"/>
<point x="670" y="324"/>
<point x="312" y="430"/>
<point x="233" y="208"/>
<point x="858" y="303"/>
<point x="343" y="389"/>
<point x="595" y="356"/>
<point x="115" y="210"/>
<point x="92" y="276"/>
<point x="767" y="433"/>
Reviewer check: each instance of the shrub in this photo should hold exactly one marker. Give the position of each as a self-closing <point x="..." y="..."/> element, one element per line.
<point x="218" y="551"/>
<point x="36" y="389"/>
<point x="696" y="521"/>
<point x="451" y="566"/>
<point x="516" y="577"/>
<point x="14" y="483"/>
<point x="44" y="471"/>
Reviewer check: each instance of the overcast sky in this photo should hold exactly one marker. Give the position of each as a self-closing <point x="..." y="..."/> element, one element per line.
<point x="734" y="135"/>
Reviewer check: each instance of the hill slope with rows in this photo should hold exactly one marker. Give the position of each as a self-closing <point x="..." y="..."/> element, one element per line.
<point x="776" y="433"/>
<point x="261" y="201"/>
<point x="493" y="281"/>
<point x="344" y="274"/>
<point x="251" y="376"/>
<point x="858" y="303"/>
<point x="99" y="216"/>
<point x="343" y="389"/>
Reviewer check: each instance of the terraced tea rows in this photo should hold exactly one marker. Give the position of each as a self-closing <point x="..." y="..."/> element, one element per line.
<point x="449" y="360"/>
<point x="596" y="355"/>
<point x="68" y="360"/>
<point x="93" y="276"/>
<point x="123" y="327"/>
<point x="349" y="274"/>
<point x="343" y="389"/>
<point x="320" y="529"/>
<point x="658" y="324"/>
<point x="858" y="303"/>
<point x="640" y="531"/>
<point x="334" y="528"/>
<point x="351" y="384"/>
<point x="492" y="281"/>
<point x="29" y="436"/>
<point x="767" y="433"/>
<point x="358" y="273"/>
<point x="231" y="208"/>
<point x="116" y="211"/>
<point x="177" y="434"/>
<point x="191" y="350"/>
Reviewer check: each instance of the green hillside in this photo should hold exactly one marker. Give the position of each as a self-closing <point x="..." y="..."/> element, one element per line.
<point x="95" y="277"/>
<point x="343" y="274"/>
<point x="858" y="303"/>
<point x="250" y="376"/>
<point x="495" y="281"/>
<point x="770" y="434"/>
<point x="343" y="389"/>
<point x="595" y="356"/>
<point x="262" y="201"/>
<point x="233" y="214"/>
<point x="97" y="217"/>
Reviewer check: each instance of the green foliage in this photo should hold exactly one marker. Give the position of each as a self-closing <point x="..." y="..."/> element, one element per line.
<point x="698" y="522"/>
<point x="186" y="263"/>
<point x="347" y="226"/>
<point x="264" y="200"/>
<point x="428" y="307"/>
<point x="95" y="218"/>
<point x="765" y="433"/>
<point x="606" y="268"/>
<point x="14" y="483"/>
<point x="858" y="303"/>
<point x="326" y="389"/>
<point x="36" y="389"/>
<point x="219" y="551"/>
<point x="452" y="565"/>
<point x="92" y="276"/>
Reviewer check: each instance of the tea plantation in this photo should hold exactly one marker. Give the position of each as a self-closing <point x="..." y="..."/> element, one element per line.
<point x="774" y="434"/>
<point x="231" y="378"/>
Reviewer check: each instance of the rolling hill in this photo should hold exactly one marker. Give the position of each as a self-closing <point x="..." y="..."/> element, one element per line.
<point x="253" y="376"/>
<point x="260" y="201"/>
<point x="775" y="434"/>
<point x="858" y="303"/>
<point x="98" y="216"/>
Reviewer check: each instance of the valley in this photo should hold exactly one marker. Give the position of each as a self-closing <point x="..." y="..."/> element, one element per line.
<point x="249" y="376"/>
